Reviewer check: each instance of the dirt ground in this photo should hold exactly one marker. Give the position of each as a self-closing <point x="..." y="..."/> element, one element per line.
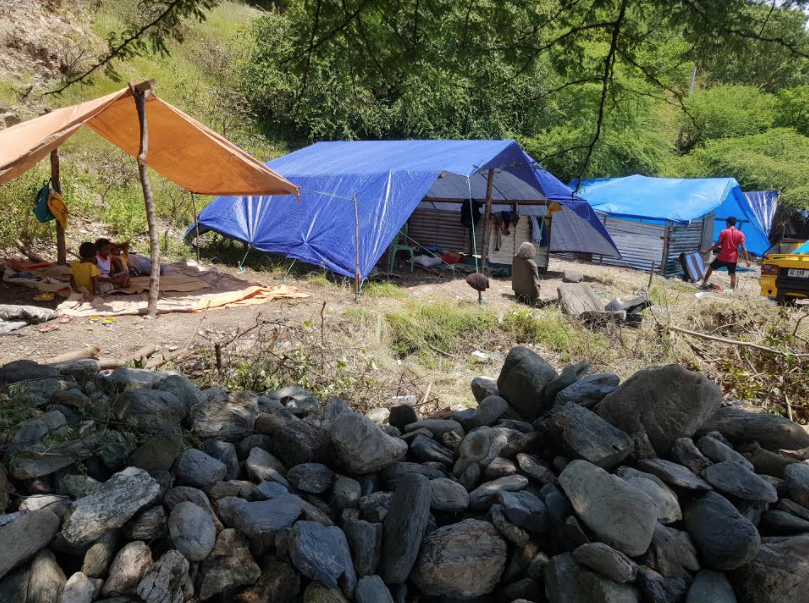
<point x="127" y="334"/>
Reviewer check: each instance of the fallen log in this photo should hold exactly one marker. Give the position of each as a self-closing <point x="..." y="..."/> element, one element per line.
<point x="113" y="363"/>
<point x="77" y="355"/>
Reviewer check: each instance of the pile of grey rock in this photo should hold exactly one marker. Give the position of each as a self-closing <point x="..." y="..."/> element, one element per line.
<point x="562" y="487"/>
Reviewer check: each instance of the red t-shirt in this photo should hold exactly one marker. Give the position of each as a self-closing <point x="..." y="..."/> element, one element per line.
<point x="730" y="238"/>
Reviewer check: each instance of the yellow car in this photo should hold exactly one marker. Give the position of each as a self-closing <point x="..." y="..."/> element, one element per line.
<point x="785" y="277"/>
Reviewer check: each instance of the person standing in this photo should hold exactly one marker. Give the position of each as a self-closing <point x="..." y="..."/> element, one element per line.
<point x="730" y="240"/>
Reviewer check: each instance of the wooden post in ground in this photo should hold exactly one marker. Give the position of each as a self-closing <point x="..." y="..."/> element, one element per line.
<point x="141" y="92"/>
<point x="357" y="278"/>
<point x="487" y="228"/>
<point x="56" y="183"/>
<point x="196" y="224"/>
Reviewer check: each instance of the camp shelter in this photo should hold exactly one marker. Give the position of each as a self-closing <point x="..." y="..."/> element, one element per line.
<point x="167" y="140"/>
<point x="654" y="220"/>
<point x="356" y="196"/>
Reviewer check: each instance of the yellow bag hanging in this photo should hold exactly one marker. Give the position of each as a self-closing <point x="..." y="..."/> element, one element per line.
<point x="58" y="208"/>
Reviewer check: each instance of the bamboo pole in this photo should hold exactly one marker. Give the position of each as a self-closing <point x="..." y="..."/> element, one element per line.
<point x="141" y="92"/>
<point x="196" y="224"/>
<point x="61" y="248"/>
<point x="736" y="342"/>
<point x="357" y="279"/>
<point x="487" y="227"/>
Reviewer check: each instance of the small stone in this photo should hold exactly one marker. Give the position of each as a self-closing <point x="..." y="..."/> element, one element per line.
<point x="224" y="452"/>
<point x="674" y="474"/>
<point x="125" y="379"/>
<point x="229" y="566"/>
<point x="225" y="416"/>
<point x="447" y="495"/>
<point x="438" y="427"/>
<point x="379" y="416"/>
<point x="606" y="561"/>
<point x="263" y="466"/>
<point x="158" y="452"/>
<point x="278" y="583"/>
<point x="299" y="442"/>
<point x="769" y="463"/>
<point x="424" y="449"/>
<point x="710" y="587"/>
<point x="483" y="387"/>
<point x="484" y="496"/>
<point x="111" y="505"/>
<point x="513" y="533"/>
<point x="536" y="468"/>
<point x="589" y="390"/>
<point x="269" y="490"/>
<point x="175" y="496"/>
<point x="261" y="518"/>
<point x="781" y="523"/>
<point x="525" y="510"/>
<point x="374" y="507"/>
<point x="672" y="553"/>
<point x="523" y="379"/>
<point x="463" y="560"/>
<point x="371" y="589"/>
<point x="127" y="570"/>
<point x="770" y="431"/>
<point x="148" y="525"/>
<point x="312" y="478"/>
<point x="365" y="541"/>
<point x="402" y="415"/>
<point x="686" y="453"/>
<point x="80" y="589"/>
<point x="404" y="528"/>
<point x="362" y="446"/>
<point x="660" y="589"/>
<point x="317" y="553"/>
<point x="566" y="581"/>
<point x="98" y="557"/>
<point x="46" y="581"/>
<point x="718" y="451"/>
<point x="731" y="477"/>
<point x="392" y="475"/>
<point x="724" y="538"/>
<point x="797" y="482"/>
<point x="489" y="411"/>
<point x="317" y="593"/>
<point x="192" y="531"/>
<point x="499" y="467"/>
<point x="164" y="582"/>
<point x="619" y="514"/>
<point x="668" y="507"/>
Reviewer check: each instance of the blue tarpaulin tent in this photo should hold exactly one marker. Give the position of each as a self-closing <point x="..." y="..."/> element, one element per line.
<point x="678" y="200"/>
<point x="388" y="179"/>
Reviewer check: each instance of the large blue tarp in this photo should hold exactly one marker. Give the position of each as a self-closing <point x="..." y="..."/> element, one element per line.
<point x="388" y="180"/>
<point x="677" y="200"/>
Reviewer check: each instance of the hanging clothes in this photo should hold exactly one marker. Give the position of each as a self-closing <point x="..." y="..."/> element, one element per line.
<point x="470" y="213"/>
<point x="58" y="208"/>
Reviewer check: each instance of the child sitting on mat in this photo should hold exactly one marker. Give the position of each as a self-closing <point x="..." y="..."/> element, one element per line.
<point x="84" y="273"/>
<point x="110" y="267"/>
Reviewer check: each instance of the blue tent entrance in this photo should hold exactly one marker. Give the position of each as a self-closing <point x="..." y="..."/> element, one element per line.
<point x="671" y="215"/>
<point x="388" y="179"/>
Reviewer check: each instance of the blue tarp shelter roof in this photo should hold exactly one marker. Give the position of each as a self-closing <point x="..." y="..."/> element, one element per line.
<point x="389" y="179"/>
<point x="677" y="200"/>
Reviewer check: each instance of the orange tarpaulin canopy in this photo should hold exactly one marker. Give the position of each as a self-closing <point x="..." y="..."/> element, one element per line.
<point x="180" y="148"/>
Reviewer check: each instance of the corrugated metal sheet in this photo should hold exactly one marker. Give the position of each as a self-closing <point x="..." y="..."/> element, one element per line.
<point x="640" y="243"/>
<point x="434" y="228"/>
<point x="683" y="238"/>
<point x="509" y="243"/>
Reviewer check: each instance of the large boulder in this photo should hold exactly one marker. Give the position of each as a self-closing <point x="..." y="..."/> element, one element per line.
<point x="770" y="431"/>
<point x="582" y="434"/>
<point x="725" y="539"/>
<point x="523" y="379"/>
<point x="362" y="446"/>
<point x="662" y="402"/>
<point x="115" y="502"/>
<point x="620" y="515"/>
<point x="779" y="573"/>
<point x="463" y="560"/>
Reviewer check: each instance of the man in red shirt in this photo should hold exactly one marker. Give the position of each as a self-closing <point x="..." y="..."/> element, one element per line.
<point x="728" y="256"/>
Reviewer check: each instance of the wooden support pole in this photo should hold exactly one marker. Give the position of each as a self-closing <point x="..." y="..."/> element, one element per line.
<point x="56" y="183"/>
<point x="196" y="224"/>
<point x="141" y="93"/>
<point x="357" y="279"/>
<point x="487" y="229"/>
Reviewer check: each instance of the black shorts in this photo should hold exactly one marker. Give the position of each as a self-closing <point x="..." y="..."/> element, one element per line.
<point x="731" y="266"/>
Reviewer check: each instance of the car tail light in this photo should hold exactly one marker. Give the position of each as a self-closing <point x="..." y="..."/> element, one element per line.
<point x="769" y="270"/>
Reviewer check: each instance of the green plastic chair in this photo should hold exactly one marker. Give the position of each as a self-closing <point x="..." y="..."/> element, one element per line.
<point x="400" y="244"/>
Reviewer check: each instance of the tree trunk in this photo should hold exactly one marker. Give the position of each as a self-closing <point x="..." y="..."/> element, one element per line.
<point x="487" y="227"/>
<point x="154" y="237"/>
<point x="61" y="248"/>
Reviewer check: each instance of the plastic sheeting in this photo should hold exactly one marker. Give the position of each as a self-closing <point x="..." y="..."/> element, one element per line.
<point x="763" y="204"/>
<point x="388" y="179"/>
<point x="677" y="200"/>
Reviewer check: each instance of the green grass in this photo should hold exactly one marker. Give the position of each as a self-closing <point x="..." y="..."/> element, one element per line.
<point x="385" y="289"/>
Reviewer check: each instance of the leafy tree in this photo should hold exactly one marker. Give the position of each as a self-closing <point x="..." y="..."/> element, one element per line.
<point x="775" y="159"/>
<point x="793" y="109"/>
<point x="726" y="112"/>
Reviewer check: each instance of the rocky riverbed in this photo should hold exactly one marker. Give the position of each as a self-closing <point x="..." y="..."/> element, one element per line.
<point x="562" y="487"/>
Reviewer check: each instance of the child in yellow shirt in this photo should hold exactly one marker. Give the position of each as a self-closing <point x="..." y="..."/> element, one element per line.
<point x="84" y="273"/>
